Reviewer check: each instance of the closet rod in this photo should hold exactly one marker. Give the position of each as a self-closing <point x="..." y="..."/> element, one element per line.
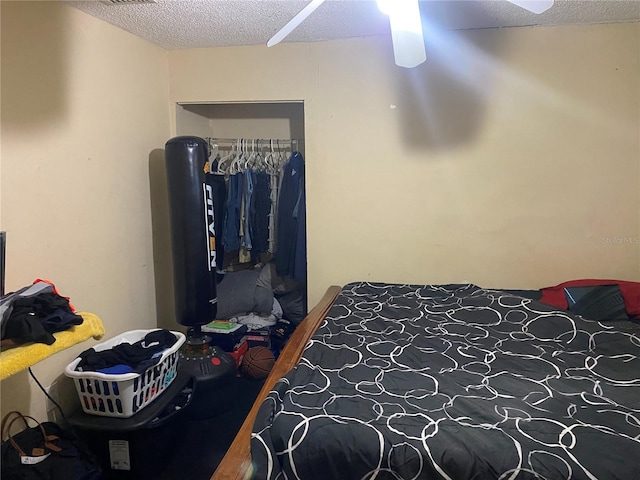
<point x="234" y="140"/>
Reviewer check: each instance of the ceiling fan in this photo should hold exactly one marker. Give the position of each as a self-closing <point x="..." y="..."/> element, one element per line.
<point x="406" y="26"/>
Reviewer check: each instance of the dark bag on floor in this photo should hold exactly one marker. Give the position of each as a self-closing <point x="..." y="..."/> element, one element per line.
<point x="45" y="451"/>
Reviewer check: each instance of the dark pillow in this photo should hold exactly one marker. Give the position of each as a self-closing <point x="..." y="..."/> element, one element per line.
<point x="238" y="293"/>
<point x="270" y="279"/>
<point x="598" y="302"/>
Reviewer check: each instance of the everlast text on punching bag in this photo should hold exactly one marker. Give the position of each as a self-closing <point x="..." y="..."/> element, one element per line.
<point x="192" y="230"/>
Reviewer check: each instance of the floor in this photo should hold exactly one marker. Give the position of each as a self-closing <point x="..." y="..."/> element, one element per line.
<point x="207" y="439"/>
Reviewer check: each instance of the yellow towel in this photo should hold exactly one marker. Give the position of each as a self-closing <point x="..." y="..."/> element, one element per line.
<point x="19" y="358"/>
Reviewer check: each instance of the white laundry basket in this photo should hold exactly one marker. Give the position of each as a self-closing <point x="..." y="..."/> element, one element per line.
<point x="125" y="394"/>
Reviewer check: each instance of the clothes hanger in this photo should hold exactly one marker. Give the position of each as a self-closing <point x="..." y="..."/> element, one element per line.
<point x="259" y="163"/>
<point x="249" y="160"/>
<point x="212" y="143"/>
<point x="268" y="158"/>
<point x="222" y="162"/>
<point x="214" y="155"/>
<point x="236" y="165"/>
<point x="280" y="158"/>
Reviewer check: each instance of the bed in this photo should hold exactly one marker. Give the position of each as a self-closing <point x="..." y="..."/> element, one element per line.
<point x="445" y="382"/>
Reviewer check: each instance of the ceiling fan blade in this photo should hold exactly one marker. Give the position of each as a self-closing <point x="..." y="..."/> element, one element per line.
<point x="294" y="22"/>
<point x="408" y="48"/>
<point x="406" y="31"/>
<point x="534" y="6"/>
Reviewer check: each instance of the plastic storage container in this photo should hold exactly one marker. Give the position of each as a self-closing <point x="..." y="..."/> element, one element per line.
<point x="226" y="335"/>
<point x="125" y="394"/>
<point x="143" y="445"/>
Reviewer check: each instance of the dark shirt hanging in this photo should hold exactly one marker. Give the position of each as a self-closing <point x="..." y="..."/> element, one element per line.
<point x="231" y="232"/>
<point x="260" y="207"/>
<point x="291" y="215"/>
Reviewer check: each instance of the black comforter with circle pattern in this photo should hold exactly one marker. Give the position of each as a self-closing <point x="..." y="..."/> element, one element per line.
<point x="454" y="382"/>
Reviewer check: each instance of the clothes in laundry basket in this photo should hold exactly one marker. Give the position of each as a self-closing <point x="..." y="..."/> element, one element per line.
<point x="128" y="357"/>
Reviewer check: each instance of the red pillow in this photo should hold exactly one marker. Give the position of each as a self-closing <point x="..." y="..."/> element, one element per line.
<point x="630" y="292"/>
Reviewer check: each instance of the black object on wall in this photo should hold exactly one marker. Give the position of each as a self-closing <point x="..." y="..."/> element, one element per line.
<point x="191" y="215"/>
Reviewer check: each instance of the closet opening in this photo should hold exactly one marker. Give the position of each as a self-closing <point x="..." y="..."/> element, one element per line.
<point x="257" y="157"/>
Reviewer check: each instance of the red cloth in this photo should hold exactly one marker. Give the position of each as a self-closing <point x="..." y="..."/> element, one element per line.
<point x="55" y="290"/>
<point x="630" y="293"/>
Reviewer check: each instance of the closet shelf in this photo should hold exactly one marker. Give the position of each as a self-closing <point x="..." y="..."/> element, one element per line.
<point x="20" y="358"/>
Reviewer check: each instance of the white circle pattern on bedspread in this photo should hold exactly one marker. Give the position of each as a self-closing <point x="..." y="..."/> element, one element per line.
<point x="454" y="382"/>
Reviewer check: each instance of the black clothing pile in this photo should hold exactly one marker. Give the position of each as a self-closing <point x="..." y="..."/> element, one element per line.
<point x="128" y="357"/>
<point x="34" y="314"/>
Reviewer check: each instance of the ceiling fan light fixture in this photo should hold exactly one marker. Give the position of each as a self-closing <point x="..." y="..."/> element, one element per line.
<point x="406" y="31"/>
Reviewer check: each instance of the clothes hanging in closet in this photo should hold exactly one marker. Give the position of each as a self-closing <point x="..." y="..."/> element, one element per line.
<point x="231" y="229"/>
<point x="273" y="212"/>
<point x="265" y="211"/>
<point x="245" y="230"/>
<point x="291" y="221"/>
<point x="259" y="212"/>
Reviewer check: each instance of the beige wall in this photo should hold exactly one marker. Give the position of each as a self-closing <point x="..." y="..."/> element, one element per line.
<point x="511" y="158"/>
<point x="84" y="104"/>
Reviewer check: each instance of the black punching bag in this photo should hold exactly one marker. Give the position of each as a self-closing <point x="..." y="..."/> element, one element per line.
<point x="192" y="230"/>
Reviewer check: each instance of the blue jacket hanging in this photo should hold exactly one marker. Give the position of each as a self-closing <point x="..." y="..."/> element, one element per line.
<point x="231" y="232"/>
<point x="291" y="221"/>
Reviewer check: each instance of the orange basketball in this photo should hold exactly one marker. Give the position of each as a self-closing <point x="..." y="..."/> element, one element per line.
<point x="257" y="363"/>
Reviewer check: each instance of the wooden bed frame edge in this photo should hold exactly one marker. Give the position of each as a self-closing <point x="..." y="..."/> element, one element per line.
<point x="236" y="464"/>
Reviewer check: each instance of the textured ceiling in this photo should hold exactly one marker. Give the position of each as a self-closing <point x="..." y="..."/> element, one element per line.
<point x="175" y="24"/>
